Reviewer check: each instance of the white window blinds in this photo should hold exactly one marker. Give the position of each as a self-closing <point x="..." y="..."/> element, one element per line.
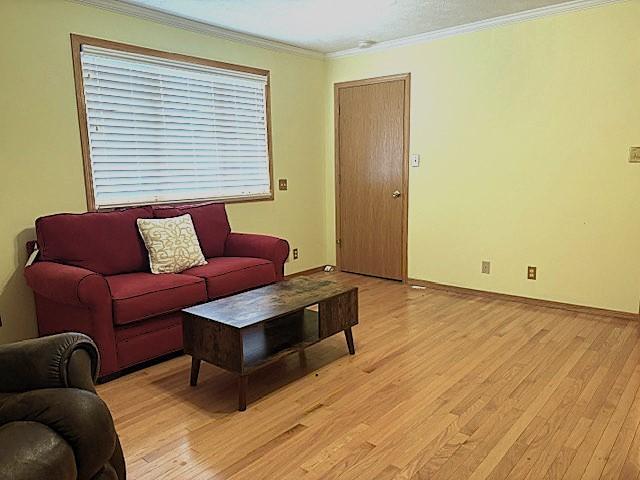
<point x="163" y="131"/>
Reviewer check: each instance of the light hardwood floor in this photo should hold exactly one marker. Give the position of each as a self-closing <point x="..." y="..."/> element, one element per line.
<point x="442" y="386"/>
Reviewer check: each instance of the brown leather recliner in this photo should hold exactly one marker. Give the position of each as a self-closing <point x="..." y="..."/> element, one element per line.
<point x="53" y="425"/>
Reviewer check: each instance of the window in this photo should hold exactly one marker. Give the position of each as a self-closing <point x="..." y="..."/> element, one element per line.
<point x="166" y="128"/>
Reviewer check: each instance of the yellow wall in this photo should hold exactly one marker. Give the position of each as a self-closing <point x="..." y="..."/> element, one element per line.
<point x="524" y="134"/>
<point x="40" y="158"/>
<point x="523" y="131"/>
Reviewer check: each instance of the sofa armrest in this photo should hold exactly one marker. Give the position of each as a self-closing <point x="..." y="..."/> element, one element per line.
<point x="57" y="361"/>
<point x="258" y="246"/>
<point x="65" y="283"/>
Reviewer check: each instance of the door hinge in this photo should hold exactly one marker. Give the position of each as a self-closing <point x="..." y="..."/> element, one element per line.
<point x="339" y="242"/>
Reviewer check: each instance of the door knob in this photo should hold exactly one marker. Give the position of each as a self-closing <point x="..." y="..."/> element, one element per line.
<point x="396" y="194"/>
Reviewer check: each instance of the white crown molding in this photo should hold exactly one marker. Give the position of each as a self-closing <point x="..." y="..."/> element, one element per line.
<point x="196" y="26"/>
<point x="170" y="19"/>
<point x="566" y="7"/>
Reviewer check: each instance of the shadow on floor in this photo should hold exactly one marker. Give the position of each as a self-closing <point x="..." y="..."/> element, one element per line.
<point x="217" y="389"/>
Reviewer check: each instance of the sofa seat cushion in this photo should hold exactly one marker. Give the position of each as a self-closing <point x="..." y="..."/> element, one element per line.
<point x="141" y="295"/>
<point x="229" y="275"/>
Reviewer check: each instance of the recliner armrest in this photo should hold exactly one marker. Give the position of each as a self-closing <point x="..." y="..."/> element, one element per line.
<point x="49" y="362"/>
<point x="258" y="246"/>
<point x="80" y="418"/>
<point x="31" y="450"/>
<point x="66" y="284"/>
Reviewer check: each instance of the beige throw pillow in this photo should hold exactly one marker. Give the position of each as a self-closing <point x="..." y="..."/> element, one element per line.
<point x="172" y="243"/>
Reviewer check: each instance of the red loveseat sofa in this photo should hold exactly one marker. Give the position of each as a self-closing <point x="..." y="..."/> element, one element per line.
<point x="92" y="276"/>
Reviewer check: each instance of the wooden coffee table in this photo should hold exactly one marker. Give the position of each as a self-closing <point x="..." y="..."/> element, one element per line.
<point x="249" y="330"/>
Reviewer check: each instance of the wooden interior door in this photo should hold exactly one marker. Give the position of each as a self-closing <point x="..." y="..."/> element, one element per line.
<point x="371" y="143"/>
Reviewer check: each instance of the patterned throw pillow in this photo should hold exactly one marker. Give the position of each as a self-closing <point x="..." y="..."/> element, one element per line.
<point x="172" y="243"/>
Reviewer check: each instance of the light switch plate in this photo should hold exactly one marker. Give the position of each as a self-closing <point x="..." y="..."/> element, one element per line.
<point x="634" y="155"/>
<point x="415" y="160"/>
<point x="282" y="184"/>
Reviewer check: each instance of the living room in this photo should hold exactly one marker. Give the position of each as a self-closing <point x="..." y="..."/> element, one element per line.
<point x="442" y="196"/>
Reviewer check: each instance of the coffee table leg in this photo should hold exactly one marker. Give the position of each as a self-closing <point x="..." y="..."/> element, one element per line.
<point x="349" y="335"/>
<point x="243" y="383"/>
<point x="195" y="370"/>
<point x="303" y="358"/>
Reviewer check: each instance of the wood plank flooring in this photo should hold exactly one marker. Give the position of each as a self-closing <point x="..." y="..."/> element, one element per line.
<point x="442" y="386"/>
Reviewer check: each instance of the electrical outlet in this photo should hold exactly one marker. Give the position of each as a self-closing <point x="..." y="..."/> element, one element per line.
<point x="634" y="155"/>
<point x="295" y="253"/>
<point x="532" y="273"/>
<point x="282" y="184"/>
<point x="486" y="267"/>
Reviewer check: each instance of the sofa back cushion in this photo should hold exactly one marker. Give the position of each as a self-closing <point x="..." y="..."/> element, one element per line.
<point x="103" y="242"/>
<point x="210" y="221"/>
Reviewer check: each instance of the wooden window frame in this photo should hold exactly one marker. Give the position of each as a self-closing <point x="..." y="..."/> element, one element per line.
<point x="77" y="41"/>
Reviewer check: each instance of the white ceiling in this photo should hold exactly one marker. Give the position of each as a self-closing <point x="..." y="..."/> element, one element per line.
<point x="334" y="25"/>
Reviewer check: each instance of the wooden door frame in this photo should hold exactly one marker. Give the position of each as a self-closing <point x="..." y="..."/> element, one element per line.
<point x="406" y="78"/>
